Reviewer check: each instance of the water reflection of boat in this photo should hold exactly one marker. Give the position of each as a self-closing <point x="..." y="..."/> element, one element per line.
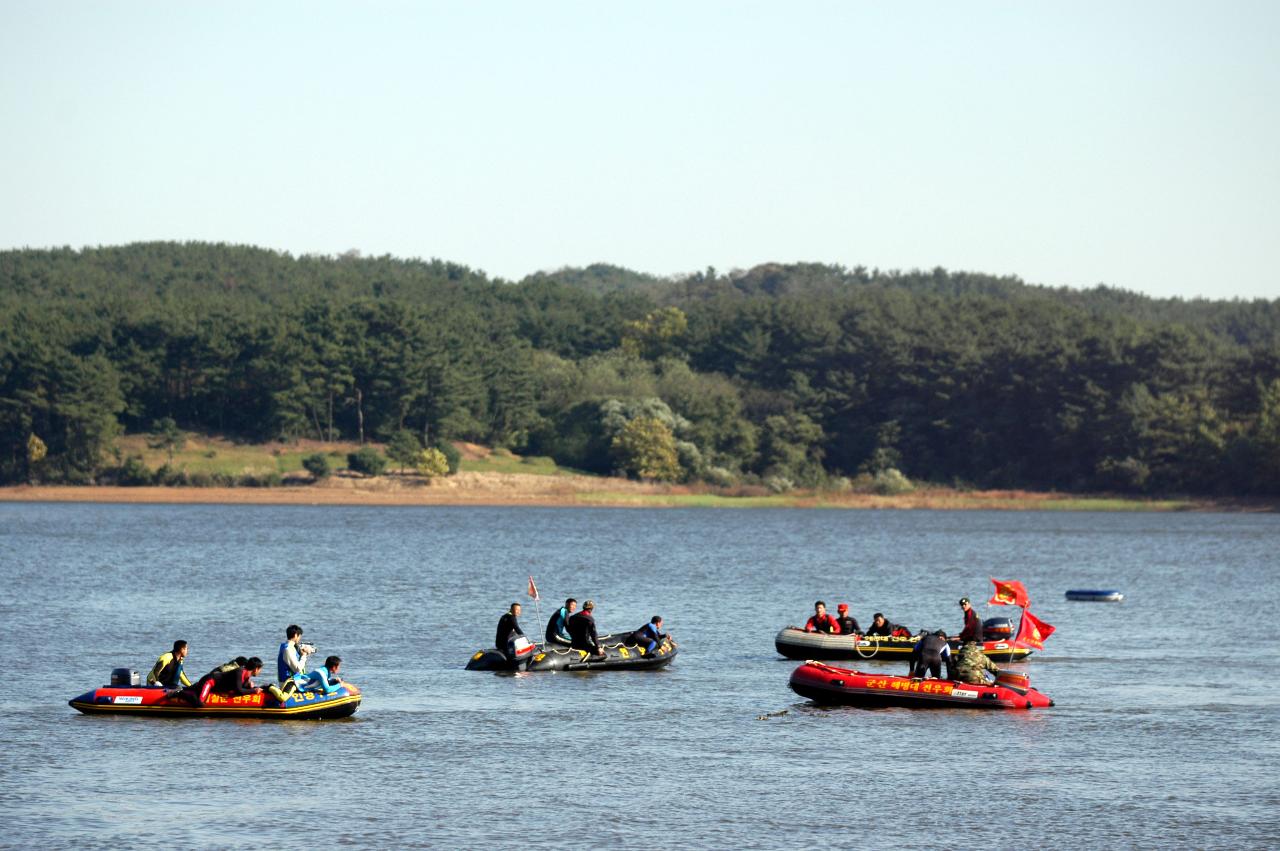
<point x="151" y="700"/>
<point x="795" y="643"/>
<point x="829" y="685"/>
<point x="618" y="655"/>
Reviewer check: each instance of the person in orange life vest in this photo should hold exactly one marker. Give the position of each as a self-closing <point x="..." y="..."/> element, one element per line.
<point x="848" y="623"/>
<point x="821" y="621"/>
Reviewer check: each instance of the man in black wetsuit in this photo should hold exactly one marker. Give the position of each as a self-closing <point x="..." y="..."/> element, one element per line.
<point x="928" y="655"/>
<point x="972" y="630"/>
<point x="508" y="631"/>
<point x="582" y="630"/>
<point x="848" y="623"/>
<point x="880" y="626"/>
<point x="558" y="626"/>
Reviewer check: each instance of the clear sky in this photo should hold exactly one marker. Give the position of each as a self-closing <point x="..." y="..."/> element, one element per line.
<point x="1135" y="144"/>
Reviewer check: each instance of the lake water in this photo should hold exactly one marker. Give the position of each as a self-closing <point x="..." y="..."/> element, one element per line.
<point x="1164" y="733"/>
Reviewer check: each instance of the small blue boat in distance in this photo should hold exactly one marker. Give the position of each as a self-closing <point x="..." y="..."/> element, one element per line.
<point x="1089" y="595"/>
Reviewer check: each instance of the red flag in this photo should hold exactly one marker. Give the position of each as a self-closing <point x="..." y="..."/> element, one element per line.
<point x="533" y="590"/>
<point x="1032" y="631"/>
<point x="1009" y="593"/>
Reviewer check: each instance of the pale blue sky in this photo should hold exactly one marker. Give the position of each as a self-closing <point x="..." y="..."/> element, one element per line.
<point x="1135" y="144"/>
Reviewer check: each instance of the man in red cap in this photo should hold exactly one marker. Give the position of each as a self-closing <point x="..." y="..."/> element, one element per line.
<point x="848" y="623"/>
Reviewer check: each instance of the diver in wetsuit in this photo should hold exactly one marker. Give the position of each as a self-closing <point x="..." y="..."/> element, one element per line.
<point x="928" y="655"/>
<point x="582" y="630"/>
<point x="650" y="635"/>
<point x="326" y="679"/>
<point x="880" y="626"/>
<point x="168" y="671"/>
<point x="558" y="626"/>
<point x="508" y="631"/>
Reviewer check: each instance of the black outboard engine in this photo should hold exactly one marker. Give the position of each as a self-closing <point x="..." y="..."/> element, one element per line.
<point x="125" y="677"/>
<point x="997" y="629"/>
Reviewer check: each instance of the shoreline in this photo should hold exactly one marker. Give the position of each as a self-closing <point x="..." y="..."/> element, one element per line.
<point x="495" y="489"/>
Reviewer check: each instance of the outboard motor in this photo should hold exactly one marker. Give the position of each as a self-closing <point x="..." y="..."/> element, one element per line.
<point x="125" y="677"/>
<point x="997" y="629"/>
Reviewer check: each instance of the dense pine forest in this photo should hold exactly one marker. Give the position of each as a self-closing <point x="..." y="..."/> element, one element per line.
<point x="788" y="376"/>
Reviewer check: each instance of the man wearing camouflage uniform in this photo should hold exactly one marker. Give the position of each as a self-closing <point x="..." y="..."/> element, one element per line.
<point x="973" y="664"/>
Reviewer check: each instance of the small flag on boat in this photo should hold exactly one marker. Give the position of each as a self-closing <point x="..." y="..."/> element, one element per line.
<point x="1032" y="631"/>
<point x="533" y="590"/>
<point x="1010" y="593"/>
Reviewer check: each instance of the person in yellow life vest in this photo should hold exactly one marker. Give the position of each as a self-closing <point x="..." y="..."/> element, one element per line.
<point x="168" y="671"/>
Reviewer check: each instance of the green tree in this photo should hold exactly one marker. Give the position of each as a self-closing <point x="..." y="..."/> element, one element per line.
<point x="646" y="448"/>
<point x="404" y="448"/>
<point x="166" y="435"/>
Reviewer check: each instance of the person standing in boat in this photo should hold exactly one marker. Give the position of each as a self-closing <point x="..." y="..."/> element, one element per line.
<point x="973" y="664"/>
<point x="168" y="671"/>
<point x="972" y="630"/>
<point x="821" y="621"/>
<point x="848" y="623"/>
<point x="291" y="661"/>
<point x="880" y="626"/>
<point x="508" y="631"/>
<point x="582" y="630"/>
<point x="928" y="655"/>
<point x="650" y="635"/>
<point x="558" y="626"/>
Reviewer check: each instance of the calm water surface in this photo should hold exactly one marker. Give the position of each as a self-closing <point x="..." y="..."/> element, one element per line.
<point x="1165" y="732"/>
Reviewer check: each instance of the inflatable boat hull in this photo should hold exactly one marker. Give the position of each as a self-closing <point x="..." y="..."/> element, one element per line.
<point x="797" y="644"/>
<point x="151" y="700"/>
<point x="617" y="656"/>
<point x="832" y="686"/>
<point x="1087" y="595"/>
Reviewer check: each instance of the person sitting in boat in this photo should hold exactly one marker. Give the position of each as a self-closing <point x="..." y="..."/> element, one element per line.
<point x="821" y="621"/>
<point x="326" y="680"/>
<point x="291" y="661"/>
<point x="558" y="626"/>
<point x="928" y="655"/>
<point x="508" y="631"/>
<point x="582" y="630"/>
<point x="880" y="626"/>
<point x="168" y="671"/>
<point x="649" y="636"/>
<point x="972" y="665"/>
<point x="848" y="623"/>
<point x="233" y="679"/>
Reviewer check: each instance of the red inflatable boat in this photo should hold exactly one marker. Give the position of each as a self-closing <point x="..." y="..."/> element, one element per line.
<point x="827" y="684"/>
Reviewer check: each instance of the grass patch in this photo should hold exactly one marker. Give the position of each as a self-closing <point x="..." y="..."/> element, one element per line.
<point x="507" y="463"/>
<point x="211" y="455"/>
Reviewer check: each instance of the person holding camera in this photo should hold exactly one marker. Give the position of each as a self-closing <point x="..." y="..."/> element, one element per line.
<point x="291" y="662"/>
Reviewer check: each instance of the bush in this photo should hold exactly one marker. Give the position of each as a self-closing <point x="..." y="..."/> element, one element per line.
<point x="134" y="472"/>
<point x="261" y="480"/>
<point x="891" y="482"/>
<point x="199" y="480"/>
<point x="368" y="461"/>
<point x="317" y="465"/>
<point x="720" y="477"/>
<point x="451" y="454"/>
<point x="432" y="463"/>
<point x="778" y="484"/>
<point x="170" y="477"/>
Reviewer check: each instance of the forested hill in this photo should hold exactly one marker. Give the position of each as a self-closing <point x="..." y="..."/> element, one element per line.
<point x="790" y="375"/>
